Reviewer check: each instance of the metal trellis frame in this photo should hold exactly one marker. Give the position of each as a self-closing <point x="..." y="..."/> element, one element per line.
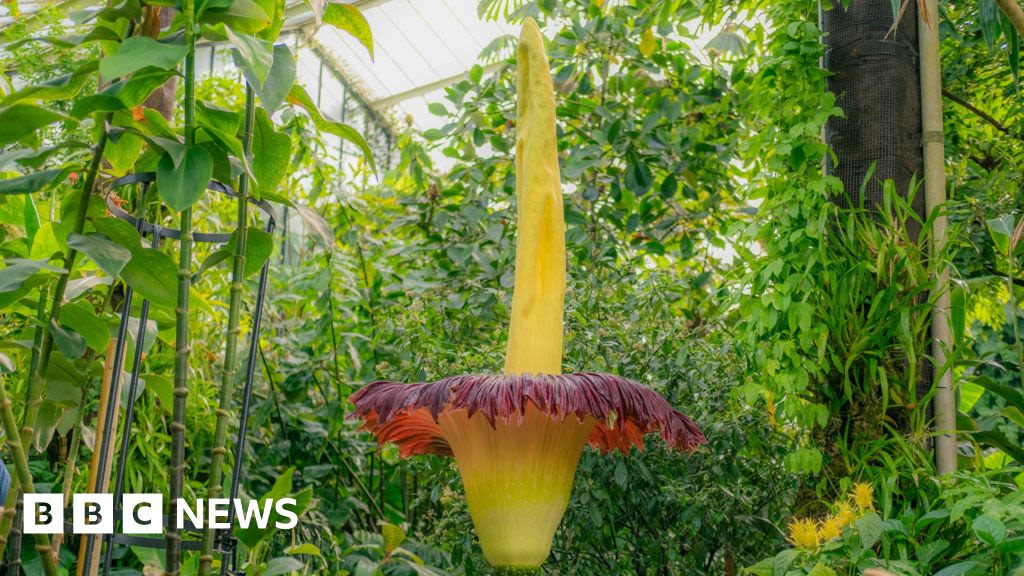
<point x="156" y="234"/>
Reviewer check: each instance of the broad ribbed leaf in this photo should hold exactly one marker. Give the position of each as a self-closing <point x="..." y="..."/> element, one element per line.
<point x="20" y="120"/>
<point x="138" y="52"/>
<point x="182" y="185"/>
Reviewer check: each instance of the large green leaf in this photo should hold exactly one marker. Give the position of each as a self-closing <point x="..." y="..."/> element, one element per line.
<point x="80" y="317"/>
<point x="299" y="96"/>
<point x="279" y="81"/>
<point x="63" y="87"/>
<point x="271" y="155"/>
<point x="137" y="53"/>
<point x="349" y="18"/>
<point x="20" y="120"/>
<point x="18" y="270"/>
<point x="69" y="342"/>
<point x="110" y="256"/>
<point x="243" y="16"/>
<point x="182" y="185"/>
<point x="154" y="275"/>
<point x="126" y="93"/>
<point x="253" y="55"/>
<point x="30" y="183"/>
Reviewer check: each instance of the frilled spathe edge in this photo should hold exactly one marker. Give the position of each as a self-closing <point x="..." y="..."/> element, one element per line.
<point x="407" y="414"/>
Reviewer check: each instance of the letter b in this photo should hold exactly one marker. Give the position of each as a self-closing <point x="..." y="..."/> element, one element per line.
<point x="44" y="513"/>
<point x="93" y="513"/>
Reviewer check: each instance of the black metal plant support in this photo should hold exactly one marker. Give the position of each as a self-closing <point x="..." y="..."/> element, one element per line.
<point x="156" y="234"/>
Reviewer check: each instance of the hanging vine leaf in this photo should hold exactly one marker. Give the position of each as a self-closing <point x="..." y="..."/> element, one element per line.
<point x="20" y="120"/>
<point x="137" y="53"/>
<point x="299" y="96"/>
<point x="31" y="183"/>
<point x="183" y="184"/>
<point x="348" y="18"/>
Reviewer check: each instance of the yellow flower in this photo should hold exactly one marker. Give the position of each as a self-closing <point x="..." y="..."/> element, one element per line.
<point x="803" y="533"/>
<point x="845" y="515"/>
<point x="863" y="496"/>
<point x="830" y="528"/>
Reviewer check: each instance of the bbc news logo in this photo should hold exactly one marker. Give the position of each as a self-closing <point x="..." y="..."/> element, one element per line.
<point x="141" y="513"/>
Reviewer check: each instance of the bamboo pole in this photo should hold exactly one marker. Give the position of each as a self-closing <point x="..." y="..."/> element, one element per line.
<point x="935" y="197"/>
<point x="20" y="459"/>
<point x="181" y="340"/>
<point x="229" y="370"/>
<point x="94" y="467"/>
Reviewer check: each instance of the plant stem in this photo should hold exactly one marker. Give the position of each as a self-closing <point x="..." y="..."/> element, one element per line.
<point x="11" y="505"/>
<point x="23" y="474"/>
<point x="182" y="344"/>
<point x="36" y="385"/>
<point x="228" y="371"/>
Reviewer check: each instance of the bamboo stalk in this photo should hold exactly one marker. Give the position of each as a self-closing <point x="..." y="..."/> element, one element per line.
<point x="182" y="344"/>
<point x="37" y="378"/>
<point x="935" y="197"/>
<point x="69" y="478"/>
<point x="229" y="370"/>
<point x="23" y="473"/>
<point x="94" y="467"/>
<point x="11" y="505"/>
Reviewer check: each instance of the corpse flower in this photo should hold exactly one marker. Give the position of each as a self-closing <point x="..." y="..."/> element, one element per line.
<point x="517" y="437"/>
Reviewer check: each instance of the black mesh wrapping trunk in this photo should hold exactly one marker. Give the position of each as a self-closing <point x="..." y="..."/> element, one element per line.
<point x="875" y="80"/>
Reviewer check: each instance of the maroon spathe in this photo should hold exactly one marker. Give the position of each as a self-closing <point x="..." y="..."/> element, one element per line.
<point x="407" y="414"/>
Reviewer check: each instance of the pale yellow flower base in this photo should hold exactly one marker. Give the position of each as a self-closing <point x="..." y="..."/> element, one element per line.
<point x="518" y="476"/>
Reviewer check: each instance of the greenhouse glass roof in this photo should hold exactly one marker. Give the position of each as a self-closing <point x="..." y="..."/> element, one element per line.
<point x="420" y="46"/>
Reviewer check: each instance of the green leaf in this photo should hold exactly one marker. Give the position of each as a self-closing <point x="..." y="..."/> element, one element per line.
<point x="783" y="560"/>
<point x="1001" y="230"/>
<point x="20" y="120"/>
<point x="18" y="270"/>
<point x="348" y="18"/>
<point x="63" y="87"/>
<point x="124" y="94"/>
<point x="1012" y="396"/>
<point x="989" y="529"/>
<point x="138" y="52"/>
<point x="210" y="262"/>
<point x="153" y="275"/>
<point x="80" y="317"/>
<point x="30" y="183"/>
<point x="242" y="16"/>
<point x="182" y="185"/>
<point x="111" y="257"/>
<point x="300" y="97"/>
<point x="259" y="245"/>
<point x="999" y="440"/>
<point x="393" y="536"/>
<point x="271" y="155"/>
<point x="869" y="527"/>
<point x="821" y="570"/>
<point x="306" y="548"/>
<point x="279" y="81"/>
<point x="283" y="565"/>
<point x="253" y="55"/>
<point x="70" y="343"/>
<point x="958" y="569"/>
